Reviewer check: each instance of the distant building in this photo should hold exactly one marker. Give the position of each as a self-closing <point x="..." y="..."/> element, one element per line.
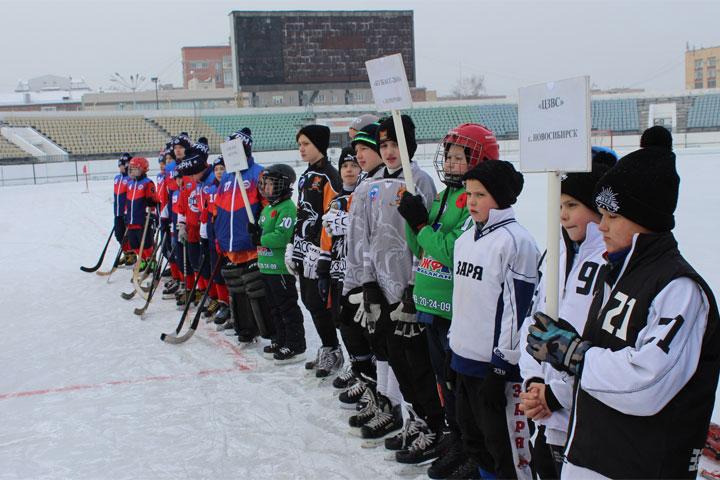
<point x="701" y="67"/>
<point x="51" y="83"/>
<point x="207" y="67"/>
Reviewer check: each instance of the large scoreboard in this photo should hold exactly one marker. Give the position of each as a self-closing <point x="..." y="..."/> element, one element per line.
<point x="313" y="48"/>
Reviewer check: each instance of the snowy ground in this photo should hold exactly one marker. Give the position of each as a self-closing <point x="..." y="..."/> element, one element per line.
<point x="89" y="391"/>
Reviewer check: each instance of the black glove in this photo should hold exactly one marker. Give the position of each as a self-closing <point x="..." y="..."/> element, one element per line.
<point x="165" y="226"/>
<point x="412" y="208"/>
<point x="405" y="311"/>
<point x="450" y="375"/>
<point x="372" y="299"/>
<point x="492" y="390"/>
<point x="324" y="287"/>
<point x="255" y="233"/>
<point x="557" y="343"/>
<point x="204" y="245"/>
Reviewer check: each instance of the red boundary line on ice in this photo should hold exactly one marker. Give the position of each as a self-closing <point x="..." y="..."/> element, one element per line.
<point x="124" y="382"/>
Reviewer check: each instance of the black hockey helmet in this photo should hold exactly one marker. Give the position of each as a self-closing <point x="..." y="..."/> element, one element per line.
<point x="281" y="177"/>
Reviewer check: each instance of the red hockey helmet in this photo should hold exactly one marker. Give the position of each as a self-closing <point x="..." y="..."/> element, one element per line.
<point x="141" y="163"/>
<point x="479" y="144"/>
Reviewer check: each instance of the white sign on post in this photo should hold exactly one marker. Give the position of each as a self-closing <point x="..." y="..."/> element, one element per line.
<point x="392" y="92"/>
<point x="389" y="83"/>
<point x="554" y="126"/>
<point x="234" y="155"/>
<point x="235" y="161"/>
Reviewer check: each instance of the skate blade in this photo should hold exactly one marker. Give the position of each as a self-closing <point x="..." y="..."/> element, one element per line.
<point x="412" y="469"/>
<point x="289" y="361"/>
<point x="355" y="432"/>
<point x="348" y="406"/>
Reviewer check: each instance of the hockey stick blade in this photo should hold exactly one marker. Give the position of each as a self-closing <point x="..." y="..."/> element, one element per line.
<point x="102" y="255"/>
<point x="127" y="296"/>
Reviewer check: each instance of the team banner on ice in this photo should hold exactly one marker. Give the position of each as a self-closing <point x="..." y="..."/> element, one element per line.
<point x="554" y="126"/>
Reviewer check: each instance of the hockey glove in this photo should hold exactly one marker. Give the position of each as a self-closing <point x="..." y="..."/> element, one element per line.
<point x="557" y="343"/>
<point x="182" y="233"/>
<point x="335" y="222"/>
<point x="255" y="232"/>
<point x="372" y="299"/>
<point x="450" y="374"/>
<point x="165" y="226"/>
<point x="310" y="261"/>
<point x="324" y="287"/>
<point x="355" y="297"/>
<point x="405" y="311"/>
<point x="492" y="390"/>
<point x="412" y="208"/>
<point x="289" y="262"/>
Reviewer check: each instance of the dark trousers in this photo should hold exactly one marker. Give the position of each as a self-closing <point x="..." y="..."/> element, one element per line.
<point x="319" y="310"/>
<point x="195" y="256"/>
<point x="219" y="280"/>
<point x="135" y="237"/>
<point x="437" y="340"/>
<point x="484" y="430"/>
<point x="410" y="361"/>
<point x="547" y="460"/>
<point x="119" y="229"/>
<point x="282" y="297"/>
<point x="183" y="261"/>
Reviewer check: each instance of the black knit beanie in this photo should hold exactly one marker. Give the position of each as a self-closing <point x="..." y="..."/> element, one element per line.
<point x="367" y="136"/>
<point x="642" y="187"/>
<point x="347" y="155"/>
<point x="319" y="135"/>
<point x="656" y="136"/>
<point x="386" y="131"/>
<point x="500" y="179"/>
<point x="581" y="185"/>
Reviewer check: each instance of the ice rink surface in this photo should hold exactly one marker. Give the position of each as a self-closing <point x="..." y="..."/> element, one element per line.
<point x="88" y="390"/>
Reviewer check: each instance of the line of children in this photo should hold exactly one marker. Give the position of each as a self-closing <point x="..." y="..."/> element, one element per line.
<point x="119" y="198"/>
<point x="140" y="200"/>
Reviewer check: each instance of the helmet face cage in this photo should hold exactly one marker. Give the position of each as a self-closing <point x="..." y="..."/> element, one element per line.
<point x="281" y="186"/>
<point x="473" y="155"/>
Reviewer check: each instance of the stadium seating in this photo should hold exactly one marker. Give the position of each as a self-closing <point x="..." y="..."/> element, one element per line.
<point x="617" y="115"/>
<point x="432" y="124"/>
<point x="96" y="135"/>
<point x="705" y="112"/>
<point x="195" y="127"/>
<point x="270" y="131"/>
<point x="10" y="150"/>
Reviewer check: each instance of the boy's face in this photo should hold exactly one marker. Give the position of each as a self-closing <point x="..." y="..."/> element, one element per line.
<point x="352" y="132"/>
<point x="455" y="161"/>
<point x="479" y="201"/>
<point x="367" y="157"/>
<point x="618" y="231"/>
<point x="218" y="171"/>
<point x="123" y="169"/>
<point x="574" y="217"/>
<point x="135" y="172"/>
<point x="308" y="151"/>
<point x="267" y="188"/>
<point x="179" y="151"/>
<point x="162" y="167"/>
<point x="179" y="181"/>
<point x="390" y="153"/>
<point x="350" y="171"/>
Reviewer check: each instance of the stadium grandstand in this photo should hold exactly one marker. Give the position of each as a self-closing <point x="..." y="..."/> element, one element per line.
<point x="95" y="135"/>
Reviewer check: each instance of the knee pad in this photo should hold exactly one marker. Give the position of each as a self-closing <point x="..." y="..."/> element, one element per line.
<point x="232" y="274"/>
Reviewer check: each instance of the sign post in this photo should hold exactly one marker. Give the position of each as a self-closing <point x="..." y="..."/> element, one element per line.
<point x="235" y="161"/>
<point x="392" y="92"/>
<point x="554" y="132"/>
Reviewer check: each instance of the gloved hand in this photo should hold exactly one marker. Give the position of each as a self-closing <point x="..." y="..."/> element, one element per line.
<point x="355" y="297"/>
<point x="412" y="208"/>
<point x="203" y="231"/>
<point x="182" y="233"/>
<point x="310" y="261"/>
<point x="372" y="299"/>
<point x="557" y="343"/>
<point x="289" y="262"/>
<point x="492" y="390"/>
<point x="335" y="222"/>
<point x="450" y="374"/>
<point x="324" y="287"/>
<point x="255" y="232"/>
<point x="405" y="311"/>
<point x="203" y="244"/>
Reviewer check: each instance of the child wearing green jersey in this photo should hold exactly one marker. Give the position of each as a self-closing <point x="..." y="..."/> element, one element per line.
<point x="431" y="237"/>
<point x="271" y="235"/>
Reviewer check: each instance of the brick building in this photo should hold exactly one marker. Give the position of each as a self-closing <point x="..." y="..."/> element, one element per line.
<point x="207" y="67"/>
<point x="701" y="68"/>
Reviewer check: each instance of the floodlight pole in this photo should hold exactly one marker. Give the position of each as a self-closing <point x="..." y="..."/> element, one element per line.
<point x="157" y="103"/>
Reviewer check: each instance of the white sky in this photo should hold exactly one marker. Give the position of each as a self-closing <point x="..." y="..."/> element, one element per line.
<point x="638" y="44"/>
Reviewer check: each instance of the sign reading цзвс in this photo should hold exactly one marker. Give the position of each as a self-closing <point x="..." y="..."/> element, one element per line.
<point x="554" y="126"/>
